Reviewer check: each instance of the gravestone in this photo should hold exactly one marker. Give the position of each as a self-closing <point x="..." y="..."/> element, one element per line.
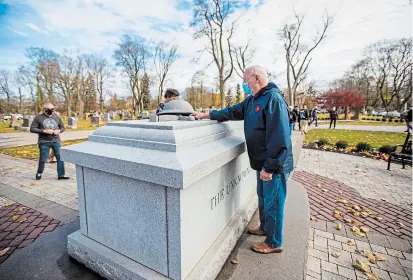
<point x="184" y="191"/>
<point x="71" y="123"/>
<point x="145" y="114"/>
<point x="112" y="115"/>
<point x="74" y="115"/>
<point x="13" y="122"/>
<point x="94" y="121"/>
<point x="106" y="117"/>
<point x="27" y="122"/>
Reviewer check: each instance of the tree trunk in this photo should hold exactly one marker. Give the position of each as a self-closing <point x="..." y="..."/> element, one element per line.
<point x="222" y="91"/>
<point x="356" y="114"/>
<point x="346" y="113"/>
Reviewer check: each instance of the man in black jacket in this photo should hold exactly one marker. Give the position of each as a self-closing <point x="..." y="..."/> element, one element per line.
<point x="49" y="125"/>
<point x="333" y="117"/>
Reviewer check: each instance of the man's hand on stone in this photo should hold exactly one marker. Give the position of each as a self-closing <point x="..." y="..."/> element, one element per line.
<point x="265" y="176"/>
<point x="200" y="116"/>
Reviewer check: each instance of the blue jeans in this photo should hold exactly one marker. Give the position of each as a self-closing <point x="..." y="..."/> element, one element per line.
<point x="291" y="129"/>
<point x="271" y="200"/>
<point x="44" y="149"/>
<point x="314" y="120"/>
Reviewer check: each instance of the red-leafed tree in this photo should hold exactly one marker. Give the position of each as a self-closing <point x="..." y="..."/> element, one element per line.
<point x="345" y="98"/>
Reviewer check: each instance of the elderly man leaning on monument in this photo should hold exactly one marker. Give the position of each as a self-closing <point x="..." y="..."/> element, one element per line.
<point x="267" y="133"/>
<point x="170" y="94"/>
<point x="48" y="126"/>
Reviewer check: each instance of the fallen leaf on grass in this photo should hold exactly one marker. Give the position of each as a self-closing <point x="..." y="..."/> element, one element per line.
<point x="318" y="186"/>
<point x="9" y="203"/>
<point x="371" y="276"/>
<point x="235" y="262"/>
<point x="338" y="226"/>
<point x="364" y="214"/>
<point x="15" y="217"/>
<point x="335" y="254"/>
<point x="4" y="251"/>
<point x="360" y="265"/>
<point x="23" y="220"/>
<point x="364" y="229"/>
<point x="22" y="208"/>
<point x="396" y="230"/>
<point x="341" y="201"/>
<point x="313" y="219"/>
<point x="324" y="190"/>
<point x="3" y="174"/>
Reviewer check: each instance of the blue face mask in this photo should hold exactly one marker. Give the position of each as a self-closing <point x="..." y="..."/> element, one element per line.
<point x="246" y="89"/>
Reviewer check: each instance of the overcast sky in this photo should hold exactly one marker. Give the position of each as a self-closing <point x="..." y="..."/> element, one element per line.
<point x="95" y="26"/>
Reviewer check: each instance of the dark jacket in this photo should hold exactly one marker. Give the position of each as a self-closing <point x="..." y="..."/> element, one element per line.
<point x="333" y="115"/>
<point x="409" y="115"/>
<point x="266" y="128"/>
<point x="43" y="122"/>
<point x="160" y="107"/>
<point x="303" y="114"/>
<point x="293" y="117"/>
<point x="314" y="113"/>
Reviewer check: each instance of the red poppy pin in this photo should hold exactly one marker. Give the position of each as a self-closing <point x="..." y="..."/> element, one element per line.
<point x="257" y="109"/>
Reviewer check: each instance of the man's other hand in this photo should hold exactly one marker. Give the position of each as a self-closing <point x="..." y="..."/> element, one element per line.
<point x="48" y="131"/>
<point x="200" y="116"/>
<point x="56" y="132"/>
<point x="265" y="176"/>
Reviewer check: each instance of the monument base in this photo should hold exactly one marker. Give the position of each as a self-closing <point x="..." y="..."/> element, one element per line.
<point x="72" y="126"/>
<point x="24" y="128"/>
<point x="112" y="265"/>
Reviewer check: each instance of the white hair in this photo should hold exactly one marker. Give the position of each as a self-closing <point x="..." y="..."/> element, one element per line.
<point x="260" y="72"/>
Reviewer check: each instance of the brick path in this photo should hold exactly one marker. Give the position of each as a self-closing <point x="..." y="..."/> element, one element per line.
<point x="329" y="177"/>
<point x="20" y="226"/>
<point x="323" y="203"/>
<point x="368" y="177"/>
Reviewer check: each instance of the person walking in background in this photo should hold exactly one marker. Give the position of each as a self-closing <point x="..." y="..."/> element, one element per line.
<point x="297" y="119"/>
<point x="293" y="119"/>
<point x="313" y="117"/>
<point x="333" y="117"/>
<point x="267" y="134"/>
<point x="170" y="94"/>
<point x="303" y="116"/>
<point x="48" y="126"/>
<point x="409" y="120"/>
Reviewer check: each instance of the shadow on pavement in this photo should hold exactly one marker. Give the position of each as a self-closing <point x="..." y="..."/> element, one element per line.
<point x="47" y="258"/>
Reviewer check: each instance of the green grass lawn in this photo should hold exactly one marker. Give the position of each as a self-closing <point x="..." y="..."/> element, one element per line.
<point x="4" y="127"/>
<point x="375" y="138"/>
<point x="32" y="151"/>
<point x="368" y="123"/>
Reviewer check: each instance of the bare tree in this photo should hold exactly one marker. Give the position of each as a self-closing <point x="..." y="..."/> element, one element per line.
<point x="26" y="80"/>
<point x="211" y="20"/>
<point x="243" y="56"/>
<point x="5" y="90"/>
<point x="163" y="57"/>
<point x="298" y="54"/>
<point x="132" y="55"/>
<point x="66" y="79"/>
<point x="102" y="73"/>
<point x="391" y="65"/>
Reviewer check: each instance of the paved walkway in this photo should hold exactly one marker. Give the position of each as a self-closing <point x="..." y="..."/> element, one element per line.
<point x="8" y="140"/>
<point x="367" y="176"/>
<point x="385" y="198"/>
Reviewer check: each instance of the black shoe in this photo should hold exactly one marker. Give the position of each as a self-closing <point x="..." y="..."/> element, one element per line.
<point x="63" y="178"/>
<point x="38" y="176"/>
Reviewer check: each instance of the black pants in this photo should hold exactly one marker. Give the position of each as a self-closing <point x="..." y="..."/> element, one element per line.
<point x="331" y="122"/>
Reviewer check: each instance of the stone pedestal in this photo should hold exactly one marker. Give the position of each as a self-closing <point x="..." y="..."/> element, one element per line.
<point x="106" y="117"/>
<point x="161" y="200"/>
<point x="13" y="122"/>
<point x="71" y="123"/>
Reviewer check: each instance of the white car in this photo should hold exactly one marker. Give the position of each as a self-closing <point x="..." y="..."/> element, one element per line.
<point x="393" y="114"/>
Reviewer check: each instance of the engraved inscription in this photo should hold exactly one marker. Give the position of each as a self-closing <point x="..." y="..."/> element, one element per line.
<point x="229" y="188"/>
